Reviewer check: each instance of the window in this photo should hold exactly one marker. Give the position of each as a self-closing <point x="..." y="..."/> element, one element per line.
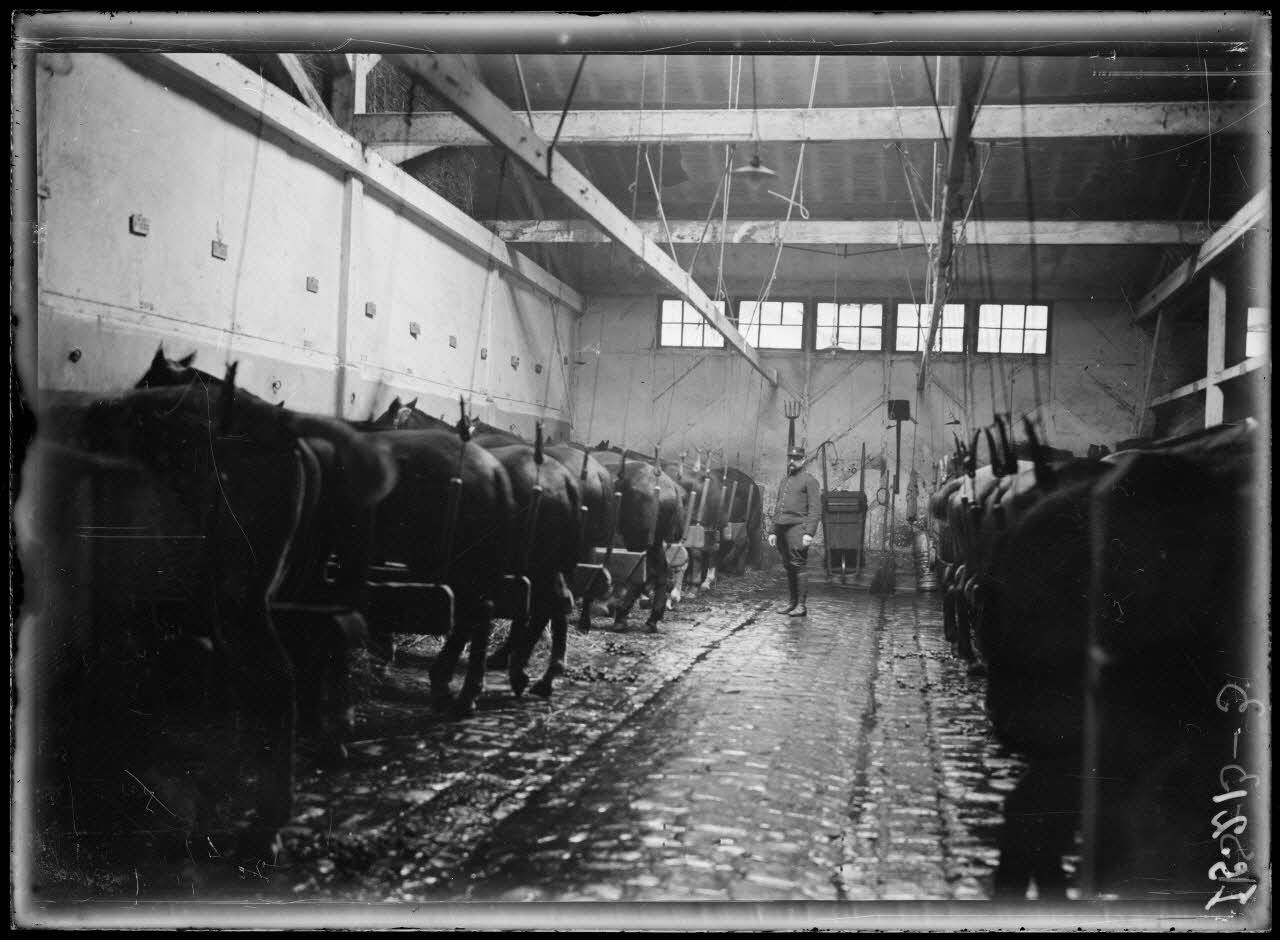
<point x="913" y="328"/>
<point x="849" y="326"/>
<point x="1256" y="329"/>
<point x="1013" y="328"/>
<point x="683" y="325"/>
<point x="774" y="324"/>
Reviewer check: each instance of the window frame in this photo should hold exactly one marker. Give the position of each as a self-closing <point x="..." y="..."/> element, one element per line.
<point x="886" y="308"/>
<point x="965" y="325"/>
<point x="724" y="344"/>
<point x="1048" y="326"/>
<point x="808" y="319"/>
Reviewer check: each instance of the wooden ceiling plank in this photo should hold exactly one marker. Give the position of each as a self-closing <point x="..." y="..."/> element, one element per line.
<point x="488" y="113"/>
<point x="725" y="125"/>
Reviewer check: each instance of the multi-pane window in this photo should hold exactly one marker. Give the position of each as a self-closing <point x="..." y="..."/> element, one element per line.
<point x="849" y="326"/>
<point x="773" y="324"/>
<point x="1013" y="328"/>
<point x="1256" y="329"/>
<point x="683" y="325"/>
<point x="912" y="330"/>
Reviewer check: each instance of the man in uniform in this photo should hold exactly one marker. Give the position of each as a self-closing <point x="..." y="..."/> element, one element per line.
<point x="795" y="520"/>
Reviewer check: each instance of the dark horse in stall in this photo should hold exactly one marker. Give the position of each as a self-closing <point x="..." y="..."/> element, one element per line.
<point x="407" y="529"/>
<point x="651" y="519"/>
<point x="162" y="525"/>
<point x="546" y="542"/>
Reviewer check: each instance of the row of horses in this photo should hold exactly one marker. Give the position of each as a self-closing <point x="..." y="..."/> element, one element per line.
<point x="190" y="518"/>
<point x="1108" y="602"/>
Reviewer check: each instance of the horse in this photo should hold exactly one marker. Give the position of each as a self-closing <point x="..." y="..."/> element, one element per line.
<point x="405" y="529"/>
<point x="163" y="512"/>
<point x="546" y="545"/>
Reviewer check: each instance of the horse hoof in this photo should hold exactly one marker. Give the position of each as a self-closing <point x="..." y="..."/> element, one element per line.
<point x="541" y="688"/>
<point x="463" y="708"/>
<point x="519" y="682"/>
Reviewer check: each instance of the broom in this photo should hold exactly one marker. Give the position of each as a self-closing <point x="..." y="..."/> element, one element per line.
<point x="883" y="581"/>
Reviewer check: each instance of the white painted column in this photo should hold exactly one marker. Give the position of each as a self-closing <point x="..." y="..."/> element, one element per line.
<point x="1217" y="351"/>
<point x="350" y="305"/>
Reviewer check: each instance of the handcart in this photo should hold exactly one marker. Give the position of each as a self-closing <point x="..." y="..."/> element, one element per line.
<point x="844" y="523"/>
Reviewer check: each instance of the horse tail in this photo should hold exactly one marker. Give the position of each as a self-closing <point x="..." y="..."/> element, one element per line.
<point x="369" y="468"/>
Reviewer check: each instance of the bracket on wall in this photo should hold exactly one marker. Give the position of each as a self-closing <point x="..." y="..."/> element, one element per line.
<point x="414" y="329"/>
<point x="515" y="362"/>
<point x="139" y="224"/>
<point x="313" y="285"/>
<point x="370" y="309"/>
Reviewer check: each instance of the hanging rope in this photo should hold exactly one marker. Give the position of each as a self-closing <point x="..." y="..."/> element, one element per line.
<point x="635" y="182"/>
<point x="568" y="101"/>
<point x="795" y="183"/>
<point x="657" y="195"/>
<point x="735" y="87"/>
<point x="942" y="127"/>
<point x="1031" y="241"/>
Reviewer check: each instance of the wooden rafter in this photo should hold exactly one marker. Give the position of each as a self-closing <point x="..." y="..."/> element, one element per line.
<point x="842" y="232"/>
<point x="293" y="65"/>
<point x="488" y="114"/>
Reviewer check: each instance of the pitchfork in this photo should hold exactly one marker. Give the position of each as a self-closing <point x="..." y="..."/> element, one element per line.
<point x="792" y="410"/>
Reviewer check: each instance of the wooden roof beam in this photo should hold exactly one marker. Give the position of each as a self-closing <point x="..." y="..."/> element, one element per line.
<point x="1250" y="216"/>
<point x="848" y="232"/>
<point x="416" y="133"/>
<point x="488" y="114"/>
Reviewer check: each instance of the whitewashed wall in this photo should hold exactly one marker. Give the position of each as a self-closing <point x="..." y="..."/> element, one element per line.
<point x="119" y="136"/>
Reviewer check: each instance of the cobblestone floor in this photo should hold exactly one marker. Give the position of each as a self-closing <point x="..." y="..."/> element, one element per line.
<point x="738" y="755"/>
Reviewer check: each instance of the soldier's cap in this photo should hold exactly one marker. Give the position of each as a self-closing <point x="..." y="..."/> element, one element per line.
<point x="795" y="452"/>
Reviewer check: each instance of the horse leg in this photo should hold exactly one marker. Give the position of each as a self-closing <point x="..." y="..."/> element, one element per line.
<point x="559" y="637"/>
<point x="1040" y="816"/>
<point x="473" y="686"/>
<point x="500" y="657"/>
<point x="520" y="643"/>
<point x="441" y="671"/>
<point x="266" y="691"/>
<point x="964" y="616"/>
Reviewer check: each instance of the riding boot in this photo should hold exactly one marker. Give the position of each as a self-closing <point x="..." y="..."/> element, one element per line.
<point x="794" y="590"/>
<point x="802" y="592"/>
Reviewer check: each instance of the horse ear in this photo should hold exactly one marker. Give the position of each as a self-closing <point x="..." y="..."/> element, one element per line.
<point x="395" y="404"/>
<point x="186" y="360"/>
<point x="228" y="395"/>
<point x="158" y="358"/>
<point x="411" y="405"/>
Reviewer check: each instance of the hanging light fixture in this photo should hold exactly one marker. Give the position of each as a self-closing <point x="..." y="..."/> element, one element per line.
<point x="754" y="173"/>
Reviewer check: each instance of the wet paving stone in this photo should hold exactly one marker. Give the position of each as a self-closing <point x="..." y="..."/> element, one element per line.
<point x="737" y="755"/>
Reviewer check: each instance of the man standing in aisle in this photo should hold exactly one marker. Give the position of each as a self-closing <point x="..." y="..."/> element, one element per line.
<point x="795" y="520"/>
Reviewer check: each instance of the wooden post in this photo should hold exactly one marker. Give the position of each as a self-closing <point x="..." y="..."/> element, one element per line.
<point x="1151" y="368"/>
